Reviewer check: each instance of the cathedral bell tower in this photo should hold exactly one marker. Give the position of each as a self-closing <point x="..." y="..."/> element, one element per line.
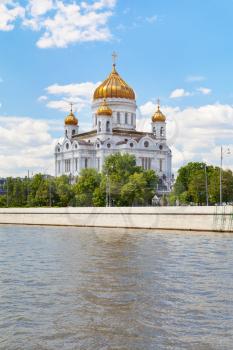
<point x="104" y="119"/>
<point x="159" y="124"/>
<point x="71" y="124"/>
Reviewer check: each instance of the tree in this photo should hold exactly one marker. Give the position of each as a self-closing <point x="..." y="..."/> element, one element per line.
<point x="190" y="185"/>
<point x="64" y="191"/>
<point x="87" y="183"/>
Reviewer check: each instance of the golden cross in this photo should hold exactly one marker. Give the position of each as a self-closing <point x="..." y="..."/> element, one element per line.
<point x="114" y="58"/>
<point x="71" y="107"/>
<point x="158" y="102"/>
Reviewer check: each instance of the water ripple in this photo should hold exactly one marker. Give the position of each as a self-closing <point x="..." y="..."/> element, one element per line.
<point x="76" y="288"/>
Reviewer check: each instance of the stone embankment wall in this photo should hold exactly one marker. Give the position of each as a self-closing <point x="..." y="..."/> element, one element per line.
<point x="162" y="218"/>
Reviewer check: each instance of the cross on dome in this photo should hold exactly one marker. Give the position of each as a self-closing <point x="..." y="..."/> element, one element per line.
<point x="158" y="102"/>
<point x="114" y="58"/>
<point x="71" y="107"/>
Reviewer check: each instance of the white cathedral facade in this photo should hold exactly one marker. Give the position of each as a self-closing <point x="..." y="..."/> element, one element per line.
<point x="114" y="130"/>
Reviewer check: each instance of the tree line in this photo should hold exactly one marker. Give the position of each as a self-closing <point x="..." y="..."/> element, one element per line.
<point x="122" y="183"/>
<point x="197" y="181"/>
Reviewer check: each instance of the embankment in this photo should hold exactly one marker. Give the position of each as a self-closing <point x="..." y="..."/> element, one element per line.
<point x="162" y="218"/>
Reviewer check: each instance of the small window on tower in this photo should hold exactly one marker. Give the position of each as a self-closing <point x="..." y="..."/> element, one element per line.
<point x="118" y="118"/>
<point x="86" y="163"/>
<point x="67" y="146"/>
<point x="146" y="144"/>
<point x="73" y="132"/>
<point x="132" y="118"/>
<point x="126" y="118"/>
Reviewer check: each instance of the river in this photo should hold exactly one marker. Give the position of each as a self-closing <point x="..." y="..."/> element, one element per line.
<point x="77" y="288"/>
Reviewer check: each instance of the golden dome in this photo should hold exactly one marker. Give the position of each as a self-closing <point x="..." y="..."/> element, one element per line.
<point x="158" y="116"/>
<point x="104" y="109"/>
<point x="114" y="87"/>
<point x="71" y="119"/>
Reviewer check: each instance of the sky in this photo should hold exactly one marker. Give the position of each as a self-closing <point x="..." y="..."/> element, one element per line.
<point x="56" y="51"/>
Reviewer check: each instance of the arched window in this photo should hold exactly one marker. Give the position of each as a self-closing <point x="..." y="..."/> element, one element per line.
<point x="86" y="163"/>
<point x="99" y="126"/>
<point x="162" y="131"/>
<point x="66" y="133"/>
<point x="132" y="118"/>
<point x="146" y="144"/>
<point x="126" y="118"/>
<point x="118" y="118"/>
<point x="108" y="126"/>
<point x="95" y="119"/>
<point x="154" y="130"/>
<point x="73" y="132"/>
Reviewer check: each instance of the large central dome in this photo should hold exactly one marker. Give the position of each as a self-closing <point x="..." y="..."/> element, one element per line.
<point x="114" y="87"/>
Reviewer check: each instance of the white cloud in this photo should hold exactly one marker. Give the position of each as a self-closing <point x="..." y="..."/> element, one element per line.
<point x="10" y="11"/>
<point x="42" y="98"/>
<point x="39" y="7"/>
<point x="60" y="23"/>
<point x="204" y="90"/>
<point x="25" y="143"/>
<point x="177" y="93"/>
<point x="195" y="134"/>
<point x="80" y="94"/>
<point x="151" y="19"/>
<point x="195" y="78"/>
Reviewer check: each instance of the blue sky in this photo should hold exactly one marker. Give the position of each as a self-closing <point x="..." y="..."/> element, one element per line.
<point x="178" y="50"/>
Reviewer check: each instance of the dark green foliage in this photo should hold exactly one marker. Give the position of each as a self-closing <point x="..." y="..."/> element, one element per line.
<point x="190" y="184"/>
<point x="126" y="184"/>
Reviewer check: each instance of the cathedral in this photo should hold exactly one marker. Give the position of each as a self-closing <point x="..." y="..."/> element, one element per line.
<point x="114" y="130"/>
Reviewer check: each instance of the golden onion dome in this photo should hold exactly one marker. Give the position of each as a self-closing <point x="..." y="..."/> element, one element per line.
<point x="158" y="116"/>
<point x="71" y="119"/>
<point x="104" y="109"/>
<point x="114" y="87"/>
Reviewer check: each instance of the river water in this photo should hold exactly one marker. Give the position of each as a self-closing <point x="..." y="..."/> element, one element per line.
<point x="76" y="288"/>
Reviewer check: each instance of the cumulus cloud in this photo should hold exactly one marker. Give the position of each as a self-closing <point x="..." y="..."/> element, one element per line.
<point x="60" y="23"/>
<point x="204" y="90"/>
<point x="177" y="93"/>
<point x="79" y="94"/>
<point x="195" y="134"/>
<point x="25" y="144"/>
<point x="10" y="11"/>
<point x="151" y="19"/>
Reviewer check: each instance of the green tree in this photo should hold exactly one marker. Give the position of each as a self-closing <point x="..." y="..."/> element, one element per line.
<point x="64" y="191"/>
<point x="87" y="183"/>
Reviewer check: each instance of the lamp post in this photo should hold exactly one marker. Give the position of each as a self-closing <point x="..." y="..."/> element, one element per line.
<point x="7" y="193"/>
<point x="206" y="186"/>
<point x="220" y="174"/>
<point x="108" y="188"/>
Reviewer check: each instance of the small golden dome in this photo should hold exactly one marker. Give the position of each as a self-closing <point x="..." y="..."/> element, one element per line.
<point x="104" y="109"/>
<point x="71" y="119"/>
<point x="158" y="116"/>
<point x="114" y="87"/>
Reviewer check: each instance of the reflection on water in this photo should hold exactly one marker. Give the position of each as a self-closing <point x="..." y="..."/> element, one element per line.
<point x="75" y="288"/>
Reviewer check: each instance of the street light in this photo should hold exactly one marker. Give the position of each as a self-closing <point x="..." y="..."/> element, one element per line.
<point x="222" y="152"/>
<point x="108" y="188"/>
<point x="206" y="186"/>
